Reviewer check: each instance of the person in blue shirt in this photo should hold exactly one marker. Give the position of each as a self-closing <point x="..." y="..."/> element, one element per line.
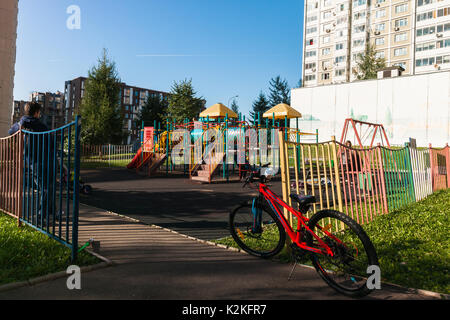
<point x="30" y="121"/>
<point x="38" y="154"/>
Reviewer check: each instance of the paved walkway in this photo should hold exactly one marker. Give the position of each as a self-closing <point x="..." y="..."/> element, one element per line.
<point x="153" y="263"/>
<point x="173" y="201"/>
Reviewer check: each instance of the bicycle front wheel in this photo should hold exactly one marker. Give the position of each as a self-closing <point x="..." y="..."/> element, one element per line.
<point x="353" y="252"/>
<point x="261" y="236"/>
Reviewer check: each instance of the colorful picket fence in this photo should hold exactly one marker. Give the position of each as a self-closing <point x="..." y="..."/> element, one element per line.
<point x="362" y="183"/>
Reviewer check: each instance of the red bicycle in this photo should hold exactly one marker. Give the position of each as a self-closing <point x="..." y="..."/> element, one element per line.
<point x="338" y="247"/>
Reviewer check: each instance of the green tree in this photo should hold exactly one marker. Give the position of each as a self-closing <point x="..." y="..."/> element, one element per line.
<point x="155" y="108"/>
<point x="279" y="91"/>
<point x="368" y="64"/>
<point x="235" y="106"/>
<point x="102" y="119"/>
<point x="260" y="105"/>
<point x="183" y="102"/>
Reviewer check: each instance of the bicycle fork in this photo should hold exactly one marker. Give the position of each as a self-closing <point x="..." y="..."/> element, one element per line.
<point x="257" y="216"/>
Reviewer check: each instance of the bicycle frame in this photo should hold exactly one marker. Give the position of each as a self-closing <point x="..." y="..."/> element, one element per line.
<point x="296" y="236"/>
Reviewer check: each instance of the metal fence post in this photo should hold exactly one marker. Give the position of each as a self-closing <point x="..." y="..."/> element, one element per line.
<point x="447" y="161"/>
<point x="76" y="190"/>
<point x="336" y="174"/>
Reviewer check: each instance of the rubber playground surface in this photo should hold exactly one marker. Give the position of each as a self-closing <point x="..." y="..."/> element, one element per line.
<point x="173" y="202"/>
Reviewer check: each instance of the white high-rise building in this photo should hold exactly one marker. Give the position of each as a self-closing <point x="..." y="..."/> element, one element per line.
<point x="413" y="34"/>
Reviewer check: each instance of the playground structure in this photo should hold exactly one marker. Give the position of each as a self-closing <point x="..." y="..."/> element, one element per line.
<point x="370" y="131"/>
<point x="205" y="154"/>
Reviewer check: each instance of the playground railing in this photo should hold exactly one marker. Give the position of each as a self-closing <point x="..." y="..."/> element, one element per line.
<point x="362" y="183"/>
<point x="421" y="171"/>
<point x="40" y="181"/>
<point x="11" y="179"/>
<point x="440" y="167"/>
<point x="108" y="154"/>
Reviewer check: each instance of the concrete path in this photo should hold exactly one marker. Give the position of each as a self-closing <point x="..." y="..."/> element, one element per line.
<point x="152" y="263"/>
<point x="173" y="202"/>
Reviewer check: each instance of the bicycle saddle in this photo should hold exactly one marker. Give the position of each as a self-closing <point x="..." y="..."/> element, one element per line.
<point x="303" y="200"/>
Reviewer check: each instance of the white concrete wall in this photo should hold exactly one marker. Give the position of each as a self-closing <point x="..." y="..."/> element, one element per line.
<point x="8" y="35"/>
<point x="409" y="106"/>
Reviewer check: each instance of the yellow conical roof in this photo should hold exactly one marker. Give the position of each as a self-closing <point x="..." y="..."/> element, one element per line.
<point x="218" y="111"/>
<point x="281" y="111"/>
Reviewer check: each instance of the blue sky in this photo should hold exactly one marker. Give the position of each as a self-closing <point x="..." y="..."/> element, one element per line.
<point x="228" y="48"/>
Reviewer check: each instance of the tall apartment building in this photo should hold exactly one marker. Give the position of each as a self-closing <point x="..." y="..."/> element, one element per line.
<point x="52" y="108"/>
<point x="413" y="34"/>
<point x="18" y="110"/>
<point x="8" y="36"/>
<point x="131" y="101"/>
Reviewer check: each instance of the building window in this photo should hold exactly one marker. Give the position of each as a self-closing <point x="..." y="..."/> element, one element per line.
<point x="359" y="15"/>
<point x="339" y="46"/>
<point x="426" y="46"/>
<point x="379" y="41"/>
<point x="379" y="55"/>
<point x="325" y="76"/>
<point x="380" y="27"/>
<point x="357" y="3"/>
<point x="401" y="22"/>
<point x="426" y="31"/>
<point x="339" y="59"/>
<point x="326" y="3"/>
<point x="325" y="39"/>
<point x="326" y="51"/>
<point x="310" y="77"/>
<point x="311" y="18"/>
<point x="425" y="62"/>
<point x="400" y="52"/>
<point x="339" y="72"/>
<point x="360" y="28"/>
<point x="400" y="37"/>
<point x="443" y="44"/>
<point x="425" y="16"/>
<point x="327" y="14"/>
<point x="310" y="42"/>
<point x="341" y="7"/>
<point x="424" y="2"/>
<point x="442" y="12"/>
<point x="358" y="42"/>
<point x="443" y="59"/>
<point x="310" y="65"/>
<point x="380" y="1"/>
<point x="311" y="30"/>
<point x="401" y="8"/>
<point x="312" y="6"/>
<point x="380" y="13"/>
<point x="310" y="53"/>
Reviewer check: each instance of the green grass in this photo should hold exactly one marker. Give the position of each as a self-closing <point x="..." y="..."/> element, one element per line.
<point x="26" y="253"/>
<point x="104" y="164"/>
<point x="412" y="244"/>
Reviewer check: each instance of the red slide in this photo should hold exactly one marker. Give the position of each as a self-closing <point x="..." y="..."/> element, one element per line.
<point x="136" y="160"/>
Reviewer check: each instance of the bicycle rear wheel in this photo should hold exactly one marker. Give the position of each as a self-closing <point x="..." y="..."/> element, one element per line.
<point x="353" y="252"/>
<point x="266" y="240"/>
